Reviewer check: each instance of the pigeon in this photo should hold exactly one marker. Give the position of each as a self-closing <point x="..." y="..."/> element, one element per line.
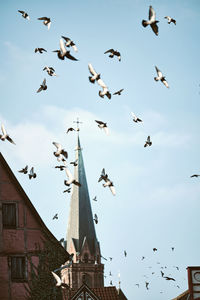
<point x="148" y="142"/>
<point x="169" y="278"/>
<point x="70" y="129"/>
<point x="135" y="119"/>
<point x="173" y="247"/>
<point x="55" y="217"/>
<point x="60" y="167"/>
<point x="161" y="77"/>
<point x="110" y="258"/>
<point x="95" y="219"/>
<point x="110" y="185"/>
<point x="103" y="257"/>
<point x="162" y="273"/>
<point x="102" y="125"/>
<point x="62" y="240"/>
<point x="111" y="282"/>
<point x="67" y="191"/>
<point x="114" y="53"/>
<point x="46" y="21"/>
<point x="59" y="281"/>
<point x="42" y="87"/>
<point x="125" y="253"/>
<point x="24" y="170"/>
<point x="71" y="179"/>
<point x="195" y="175"/>
<point x="24" y="14"/>
<point x="40" y="50"/>
<point x="32" y="174"/>
<point x="74" y="163"/>
<point x="95" y="76"/>
<point x="60" y="151"/>
<point x="4" y="136"/>
<point x="170" y="20"/>
<point x="137" y="285"/>
<point x="177" y="268"/>
<point x="110" y="274"/>
<point x="178" y="286"/>
<point x="105" y="89"/>
<point x="155" y="249"/>
<point x="103" y="175"/>
<point x="95" y="198"/>
<point x="62" y="53"/>
<point x="69" y="43"/>
<point x="50" y="71"/>
<point x="118" y="92"/>
<point x="152" y="20"/>
<point x="143" y="257"/>
<point x="147" y="285"/>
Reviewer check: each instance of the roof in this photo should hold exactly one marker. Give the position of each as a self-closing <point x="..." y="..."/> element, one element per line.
<point x="29" y="204"/>
<point x="80" y="223"/>
<point x="184" y="296"/>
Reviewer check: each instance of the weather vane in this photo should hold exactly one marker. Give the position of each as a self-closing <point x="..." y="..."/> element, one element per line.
<point x="77" y="122"/>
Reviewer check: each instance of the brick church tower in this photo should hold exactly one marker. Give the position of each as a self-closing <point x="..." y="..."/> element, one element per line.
<point x="81" y="236"/>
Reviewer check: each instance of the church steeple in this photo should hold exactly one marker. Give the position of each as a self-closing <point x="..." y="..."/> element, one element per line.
<point x="81" y="235"/>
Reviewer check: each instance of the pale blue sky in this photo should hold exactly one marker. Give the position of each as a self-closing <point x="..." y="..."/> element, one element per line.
<point x="157" y="203"/>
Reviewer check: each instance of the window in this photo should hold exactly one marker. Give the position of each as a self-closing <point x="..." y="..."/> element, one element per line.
<point x="9" y="215"/>
<point x="18" y="268"/>
<point x="85" y="259"/>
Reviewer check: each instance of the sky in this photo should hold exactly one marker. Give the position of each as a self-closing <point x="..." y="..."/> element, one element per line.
<point x="156" y="202"/>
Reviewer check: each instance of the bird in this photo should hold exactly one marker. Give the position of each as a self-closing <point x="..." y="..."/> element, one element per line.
<point x="95" y="218"/>
<point x="136" y="119"/>
<point x="59" y="281"/>
<point x="155" y="249"/>
<point x="74" y="163"/>
<point x="152" y="20"/>
<point x="103" y="125"/>
<point x="137" y="285"/>
<point x="103" y="257"/>
<point x="161" y="77"/>
<point x="162" y="273"/>
<point x="105" y="89"/>
<point x="114" y="53"/>
<point x="42" y="87"/>
<point x="195" y="175"/>
<point x="69" y="43"/>
<point x="46" y="21"/>
<point x="118" y="92"/>
<point x="62" y="53"/>
<point x="103" y="175"/>
<point x="95" y="76"/>
<point x="4" y="136"/>
<point x="170" y="20"/>
<point x="71" y="179"/>
<point x="40" y="50"/>
<point x="143" y="257"/>
<point x="60" y="151"/>
<point x="178" y="286"/>
<point x="110" y="258"/>
<point x="62" y="240"/>
<point x="173" y="247"/>
<point x="60" y="167"/>
<point x="125" y="253"/>
<point x="32" y="174"/>
<point x="177" y="268"/>
<point x="169" y="278"/>
<point x="67" y="191"/>
<point x="111" y="282"/>
<point x="24" y="14"/>
<point x="24" y="170"/>
<point x="148" y="142"/>
<point x="50" y="71"/>
<point x="110" y="274"/>
<point x="95" y="198"/>
<point x="70" y="129"/>
<point x="109" y="183"/>
<point x="55" y="217"/>
<point x="147" y="285"/>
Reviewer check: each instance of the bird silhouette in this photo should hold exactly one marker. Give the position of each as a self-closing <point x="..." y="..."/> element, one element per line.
<point x="152" y="20"/>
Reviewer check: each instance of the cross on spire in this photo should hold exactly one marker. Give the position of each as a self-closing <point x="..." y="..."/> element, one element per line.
<point x="77" y="122"/>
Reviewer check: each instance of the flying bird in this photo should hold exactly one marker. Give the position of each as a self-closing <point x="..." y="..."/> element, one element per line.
<point x="42" y="87"/>
<point x="59" y="282"/>
<point x="40" y="50"/>
<point x="125" y="253"/>
<point x="161" y="77"/>
<point x="137" y="285"/>
<point x="46" y="21"/>
<point x="111" y="282"/>
<point x="74" y="163"/>
<point x="110" y="274"/>
<point x="147" y="285"/>
<point x="143" y="257"/>
<point x="24" y="14"/>
<point x="50" y="71"/>
<point x="70" y="129"/>
<point x="60" y="151"/>
<point x="162" y="273"/>
<point x="170" y="20"/>
<point x="118" y="92"/>
<point x="95" y="198"/>
<point x="95" y="218"/>
<point x="62" y="53"/>
<point x="155" y="249"/>
<point x="105" y="89"/>
<point x="103" y="175"/>
<point x="195" y="175"/>
<point x="60" y="167"/>
<point x="169" y="278"/>
<point x="4" y="136"/>
<point x="114" y="53"/>
<point x="95" y="76"/>
<point x="173" y="247"/>
<point x="152" y="20"/>
<point x="110" y="258"/>
<point x="32" y="174"/>
<point x="148" y="142"/>
<point x="109" y="183"/>
<point x="102" y="125"/>
<point x="69" y="43"/>
<point x="67" y="191"/>
<point x="135" y="119"/>
<point x="24" y="170"/>
<point x="71" y="179"/>
<point x="55" y="217"/>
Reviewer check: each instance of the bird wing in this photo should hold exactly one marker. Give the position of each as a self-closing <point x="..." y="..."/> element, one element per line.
<point x="3" y="130"/>
<point x="75" y="48"/>
<point x="43" y="18"/>
<point x="91" y="69"/>
<point x="62" y="47"/>
<point x="164" y="81"/>
<point x="152" y="14"/>
<point x="44" y="82"/>
<point x="68" y="55"/>
<point x="99" y="122"/>
<point x="66" y="38"/>
<point x="110" y="50"/>
<point x="148" y="138"/>
<point x="154" y="27"/>
<point x="106" y="130"/>
<point x="40" y="89"/>
<point x="10" y="140"/>
<point x="101" y="83"/>
<point x="69" y="175"/>
<point x="57" y="278"/>
<point x="134" y="116"/>
<point x="21" y="11"/>
<point x="112" y="190"/>
<point x="49" y="25"/>
<point x="158" y="72"/>
<point x="58" y="146"/>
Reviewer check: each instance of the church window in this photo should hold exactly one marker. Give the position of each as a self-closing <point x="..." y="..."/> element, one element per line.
<point x="9" y="215"/>
<point x="18" y="268"/>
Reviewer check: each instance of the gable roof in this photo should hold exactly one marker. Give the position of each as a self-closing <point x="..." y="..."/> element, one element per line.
<point x="29" y="204"/>
<point x="107" y="293"/>
<point x="184" y="296"/>
<point x="85" y="289"/>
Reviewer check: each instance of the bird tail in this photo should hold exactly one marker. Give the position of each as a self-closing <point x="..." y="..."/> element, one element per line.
<point x="144" y="23"/>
